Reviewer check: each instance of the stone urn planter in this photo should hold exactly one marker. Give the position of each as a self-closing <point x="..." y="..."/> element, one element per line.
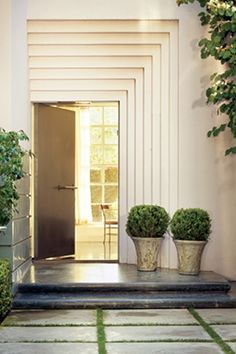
<point x="189" y="256"/>
<point x="190" y="229"/>
<point x="147" y="249"/>
<point x="146" y="225"/>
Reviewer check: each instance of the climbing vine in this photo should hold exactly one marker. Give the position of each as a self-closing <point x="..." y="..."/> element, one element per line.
<point x="220" y="16"/>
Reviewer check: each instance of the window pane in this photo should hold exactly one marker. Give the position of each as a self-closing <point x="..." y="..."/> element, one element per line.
<point x="111" y="194"/>
<point x="96" y="213"/>
<point x="110" y="135"/>
<point x="111" y="174"/>
<point x="96" y="175"/>
<point x="95" y="114"/>
<point x="96" y="135"/>
<point x="110" y="115"/>
<point x="112" y="212"/>
<point x="96" y="156"/>
<point x="96" y="194"/>
<point x="110" y="154"/>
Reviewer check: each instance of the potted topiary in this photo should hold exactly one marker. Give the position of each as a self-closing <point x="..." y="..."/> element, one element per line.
<point x="146" y="225"/>
<point x="11" y="169"/>
<point x="191" y="229"/>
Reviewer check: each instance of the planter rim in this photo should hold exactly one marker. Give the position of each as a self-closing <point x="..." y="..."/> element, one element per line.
<point x="147" y="238"/>
<point x="190" y="241"/>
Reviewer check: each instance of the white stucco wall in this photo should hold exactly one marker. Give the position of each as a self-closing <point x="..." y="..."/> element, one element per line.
<point x="206" y="177"/>
<point x="5" y="63"/>
<point x="14" y="116"/>
<point x="19" y="68"/>
<point x="13" y="66"/>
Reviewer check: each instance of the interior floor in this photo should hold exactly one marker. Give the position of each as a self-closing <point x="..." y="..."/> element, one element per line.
<point x="90" y="246"/>
<point x="96" y="251"/>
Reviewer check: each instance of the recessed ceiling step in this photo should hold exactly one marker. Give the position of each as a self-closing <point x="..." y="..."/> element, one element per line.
<point x="122" y="300"/>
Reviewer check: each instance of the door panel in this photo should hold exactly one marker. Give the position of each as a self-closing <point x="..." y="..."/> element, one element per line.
<point x="56" y="167"/>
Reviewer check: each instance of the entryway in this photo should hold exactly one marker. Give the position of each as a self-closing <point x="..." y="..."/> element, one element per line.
<point x="76" y="181"/>
<point x="131" y="62"/>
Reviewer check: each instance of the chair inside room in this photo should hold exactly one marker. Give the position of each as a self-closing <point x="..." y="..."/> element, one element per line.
<point x="109" y="222"/>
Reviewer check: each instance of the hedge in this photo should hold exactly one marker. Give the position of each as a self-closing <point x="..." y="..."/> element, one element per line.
<point x="5" y="287"/>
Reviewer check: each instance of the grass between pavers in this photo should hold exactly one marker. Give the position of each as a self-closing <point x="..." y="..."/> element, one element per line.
<point x="50" y="341"/>
<point x="13" y="324"/>
<point x="151" y="324"/>
<point x="101" y="336"/>
<point x="107" y="325"/>
<point x="221" y="323"/>
<point x="212" y="333"/>
<point x="167" y="340"/>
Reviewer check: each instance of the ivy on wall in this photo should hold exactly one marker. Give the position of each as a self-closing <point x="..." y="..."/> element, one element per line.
<point x="220" y="16"/>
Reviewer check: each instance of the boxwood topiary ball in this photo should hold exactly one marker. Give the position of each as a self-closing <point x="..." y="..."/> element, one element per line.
<point x="191" y="224"/>
<point x="147" y="221"/>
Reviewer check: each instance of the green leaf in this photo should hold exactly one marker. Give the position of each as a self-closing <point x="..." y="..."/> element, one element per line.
<point x="231" y="150"/>
<point x="202" y="42"/>
<point x="208" y="92"/>
<point x="209" y="133"/>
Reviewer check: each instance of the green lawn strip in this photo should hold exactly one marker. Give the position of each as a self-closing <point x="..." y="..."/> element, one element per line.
<point x="51" y="341"/>
<point x="167" y="340"/>
<point x="101" y="336"/>
<point x="212" y="333"/>
<point x="151" y="324"/>
<point x="221" y="323"/>
<point x="46" y="325"/>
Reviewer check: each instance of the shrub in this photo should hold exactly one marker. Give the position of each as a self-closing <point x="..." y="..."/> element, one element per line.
<point x="11" y="169"/>
<point x="191" y="224"/>
<point x="147" y="221"/>
<point x="5" y="287"/>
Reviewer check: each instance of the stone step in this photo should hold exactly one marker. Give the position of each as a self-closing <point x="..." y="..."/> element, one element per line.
<point x="122" y="299"/>
<point x="119" y="286"/>
<point x="221" y="286"/>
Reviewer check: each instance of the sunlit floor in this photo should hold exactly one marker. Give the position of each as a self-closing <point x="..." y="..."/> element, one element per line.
<point x="96" y="251"/>
<point x="89" y="244"/>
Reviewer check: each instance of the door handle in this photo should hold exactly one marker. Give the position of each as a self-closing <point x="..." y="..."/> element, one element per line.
<point x="59" y="187"/>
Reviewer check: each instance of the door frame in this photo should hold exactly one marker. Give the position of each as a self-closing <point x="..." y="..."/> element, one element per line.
<point x="122" y="98"/>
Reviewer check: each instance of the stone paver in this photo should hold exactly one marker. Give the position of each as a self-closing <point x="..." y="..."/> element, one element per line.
<point x="147" y="333"/>
<point x="20" y="334"/>
<point x="43" y="331"/>
<point x="47" y="317"/>
<point x="48" y="348"/>
<point x="160" y="316"/>
<point x="218" y="315"/>
<point x="227" y="332"/>
<point x="163" y="348"/>
<point x="232" y="345"/>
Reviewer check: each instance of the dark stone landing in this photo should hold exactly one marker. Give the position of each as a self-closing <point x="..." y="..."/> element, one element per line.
<point x="76" y="285"/>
